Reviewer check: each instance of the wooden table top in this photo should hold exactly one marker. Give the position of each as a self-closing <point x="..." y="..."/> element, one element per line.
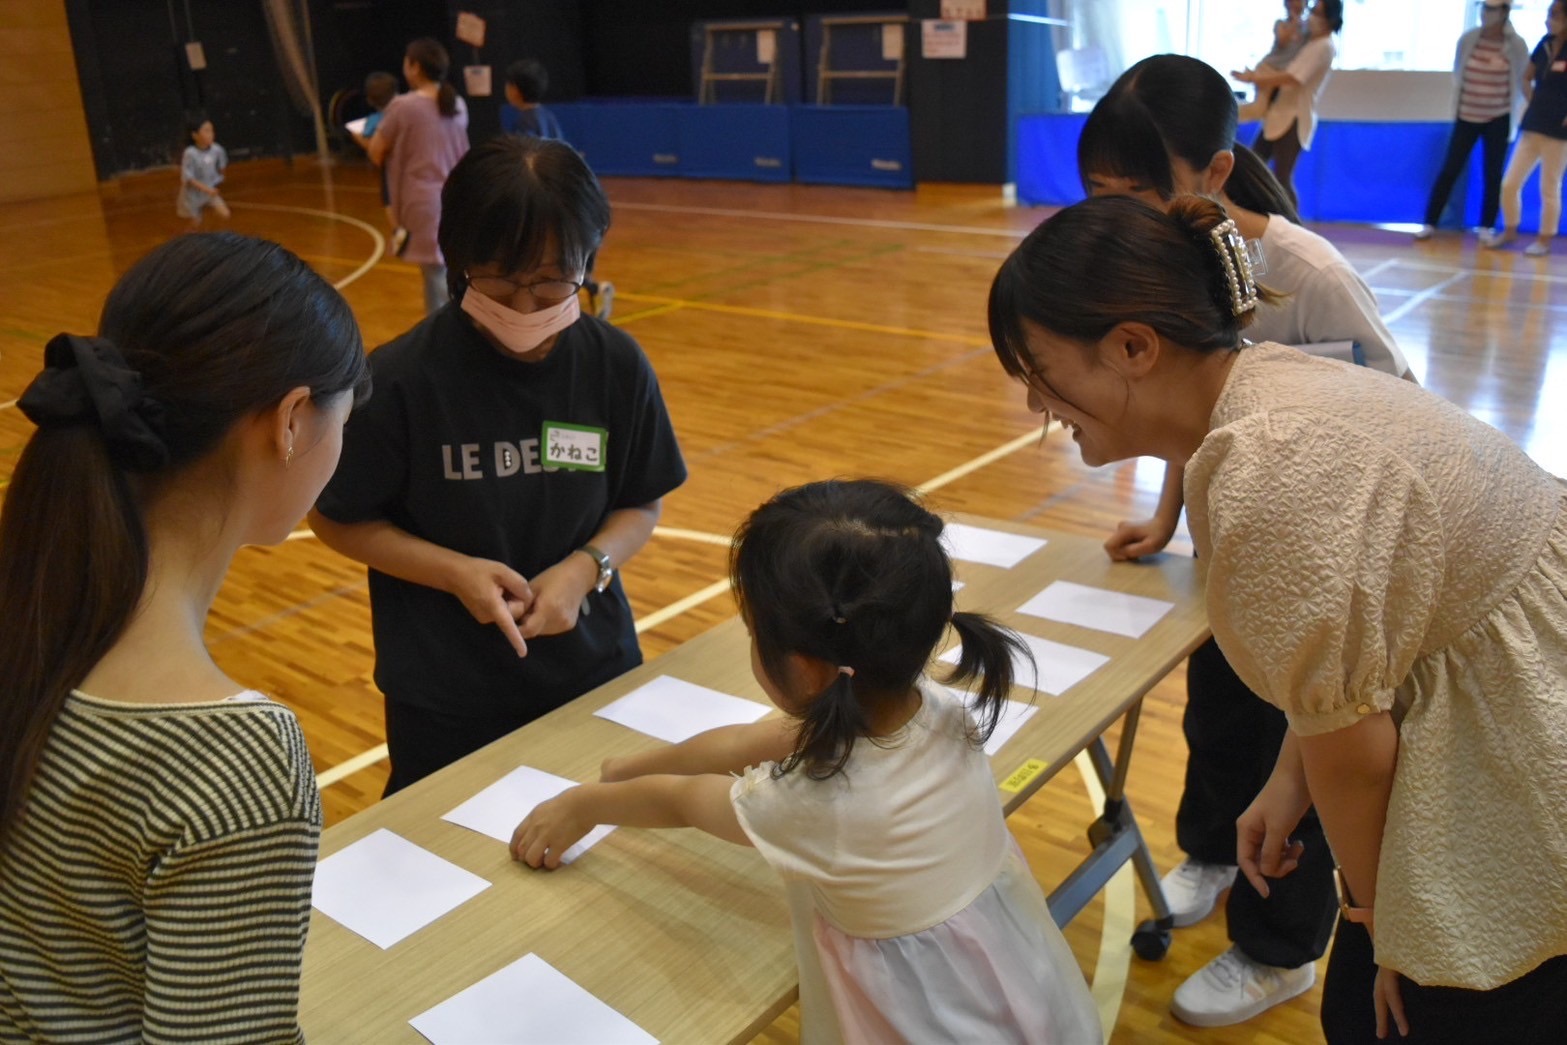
<point x="685" y="935"/>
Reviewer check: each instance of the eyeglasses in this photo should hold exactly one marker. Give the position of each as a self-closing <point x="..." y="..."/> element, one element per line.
<point x="544" y="291"/>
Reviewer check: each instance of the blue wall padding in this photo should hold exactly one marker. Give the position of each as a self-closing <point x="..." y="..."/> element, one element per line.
<point x="853" y="145"/>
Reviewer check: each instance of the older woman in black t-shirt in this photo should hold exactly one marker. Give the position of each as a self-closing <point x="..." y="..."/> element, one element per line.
<point x="1542" y="139"/>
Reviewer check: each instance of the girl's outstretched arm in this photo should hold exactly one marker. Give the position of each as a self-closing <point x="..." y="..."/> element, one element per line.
<point x="725" y="750"/>
<point x="650" y="801"/>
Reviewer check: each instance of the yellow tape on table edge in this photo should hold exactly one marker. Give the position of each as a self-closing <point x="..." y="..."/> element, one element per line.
<point x="1022" y="776"/>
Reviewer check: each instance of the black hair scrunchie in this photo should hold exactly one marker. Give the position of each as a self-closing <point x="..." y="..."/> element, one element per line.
<point x="85" y="381"/>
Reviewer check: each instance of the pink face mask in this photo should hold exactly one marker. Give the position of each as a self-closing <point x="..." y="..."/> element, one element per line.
<point x="520" y="332"/>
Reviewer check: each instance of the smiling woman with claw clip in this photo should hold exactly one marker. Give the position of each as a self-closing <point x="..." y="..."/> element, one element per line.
<point x="1388" y="571"/>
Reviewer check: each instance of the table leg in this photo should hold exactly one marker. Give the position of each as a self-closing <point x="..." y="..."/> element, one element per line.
<point x="1117" y="839"/>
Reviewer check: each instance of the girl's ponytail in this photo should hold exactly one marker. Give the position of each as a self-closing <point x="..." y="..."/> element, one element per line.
<point x="828" y="728"/>
<point x="446" y="99"/>
<point x="988" y="652"/>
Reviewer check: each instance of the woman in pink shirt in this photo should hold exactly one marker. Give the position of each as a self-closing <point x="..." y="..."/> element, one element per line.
<point x="420" y="139"/>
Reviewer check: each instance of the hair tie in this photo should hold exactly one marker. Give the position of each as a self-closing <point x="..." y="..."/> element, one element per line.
<point x="86" y="381"/>
<point x="1236" y="261"/>
<point x="844" y="669"/>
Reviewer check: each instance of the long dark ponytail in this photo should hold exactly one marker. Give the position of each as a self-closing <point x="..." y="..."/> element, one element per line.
<point x="1171" y="105"/>
<point x="202" y="332"/>
<point x="433" y="61"/>
<point x="853" y="573"/>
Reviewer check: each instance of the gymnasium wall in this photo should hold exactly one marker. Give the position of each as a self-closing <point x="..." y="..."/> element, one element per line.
<point x="642" y="47"/>
<point x="44" y="148"/>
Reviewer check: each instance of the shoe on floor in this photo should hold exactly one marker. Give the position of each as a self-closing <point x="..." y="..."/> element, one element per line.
<point x="1193" y="888"/>
<point x="1495" y="240"/>
<point x="399" y="241"/>
<point x="1538" y="249"/>
<point x="1425" y="232"/>
<point x="1232" y="989"/>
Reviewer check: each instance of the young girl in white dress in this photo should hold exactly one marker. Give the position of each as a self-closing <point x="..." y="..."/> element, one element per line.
<point x="916" y="917"/>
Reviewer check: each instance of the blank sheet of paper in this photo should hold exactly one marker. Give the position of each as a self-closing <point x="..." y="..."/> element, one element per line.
<point x="672" y="710"/>
<point x="1059" y="667"/>
<point x="383" y="887"/>
<point x="992" y="547"/>
<point x="498" y="809"/>
<point x="1013" y="714"/>
<point x="529" y="1002"/>
<point x="1097" y="608"/>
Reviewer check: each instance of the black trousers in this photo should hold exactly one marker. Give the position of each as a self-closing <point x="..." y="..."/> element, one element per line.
<point x="1462" y="142"/>
<point x="1283" y="153"/>
<point x="1232" y="740"/>
<point x="420" y="741"/>
<point x="1531" y="1010"/>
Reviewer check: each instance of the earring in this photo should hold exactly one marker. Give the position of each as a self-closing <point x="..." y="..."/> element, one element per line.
<point x="288" y="458"/>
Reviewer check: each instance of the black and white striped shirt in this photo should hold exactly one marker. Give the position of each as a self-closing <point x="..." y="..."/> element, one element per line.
<point x="158" y="887"/>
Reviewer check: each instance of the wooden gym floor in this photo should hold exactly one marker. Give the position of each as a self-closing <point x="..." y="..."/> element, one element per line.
<point x="799" y="333"/>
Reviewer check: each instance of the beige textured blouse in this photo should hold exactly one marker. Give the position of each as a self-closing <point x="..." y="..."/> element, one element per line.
<point x="1372" y="547"/>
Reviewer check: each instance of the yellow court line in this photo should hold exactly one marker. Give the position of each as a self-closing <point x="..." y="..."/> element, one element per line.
<point x="363" y="760"/>
<point x="795" y="317"/>
<point x="646" y="313"/>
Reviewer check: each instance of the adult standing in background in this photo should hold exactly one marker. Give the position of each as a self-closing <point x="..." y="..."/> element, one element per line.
<point x="1291" y="120"/>
<point x="1543" y="139"/>
<point x="420" y="139"/>
<point x="1489" y="69"/>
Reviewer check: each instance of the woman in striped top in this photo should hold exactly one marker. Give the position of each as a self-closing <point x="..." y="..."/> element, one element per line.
<point x="1489" y="68"/>
<point x="159" y="823"/>
<point x="1543" y="139"/>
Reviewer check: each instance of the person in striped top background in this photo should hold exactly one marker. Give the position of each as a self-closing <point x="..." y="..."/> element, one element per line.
<point x="158" y="822"/>
<point x="1489" y="69"/>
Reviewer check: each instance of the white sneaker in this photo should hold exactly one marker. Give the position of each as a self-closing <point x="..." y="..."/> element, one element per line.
<point x="1232" y="989"/>
<point x="1425" y="232"/>
<point x="1493" y="240"/>
<point x="1193" y="888"/>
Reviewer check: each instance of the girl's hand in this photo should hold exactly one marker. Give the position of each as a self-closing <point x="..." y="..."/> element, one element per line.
<point x="1385" y="995"/>
<point x="1263" y="847"/>
<point x="558" y="593"/>
<point x="552" y="828"/>
<point x="1243" y="75"/>
<point x="494" y="593"/>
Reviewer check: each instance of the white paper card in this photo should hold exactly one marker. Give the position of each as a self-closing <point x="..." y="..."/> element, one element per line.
<point x="529" y="1002"/>
<point x="992" y="547"/>
<point x="672" y="710"/>
<point x="940" y="39"/>
<point x="1059" y="667"/>
<point x="766" y="46"/>
<point x="1013" y="714"/>
<point x="470" y="28"/>
<point x="971" y="9"/>
<point x="1097" y="608"/>
<point x="476" y="80"/>
<point x="357" y="126"/>
<point x="892" y="42"/>
<point x="383" y="887"/>
<point x="498" y="809"/>
<point x="957" y="586"/>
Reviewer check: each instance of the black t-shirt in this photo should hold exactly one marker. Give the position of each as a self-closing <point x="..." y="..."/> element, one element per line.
<point x="448" y="449"/>
<point x="1548" y="108"/>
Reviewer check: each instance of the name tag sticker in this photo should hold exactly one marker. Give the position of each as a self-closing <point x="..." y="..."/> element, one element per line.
<point x="1022" y="776"/>
<point x="577" y="447"/>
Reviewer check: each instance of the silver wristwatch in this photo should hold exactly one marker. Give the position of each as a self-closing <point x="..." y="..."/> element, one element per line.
<point x="606" y="571"/>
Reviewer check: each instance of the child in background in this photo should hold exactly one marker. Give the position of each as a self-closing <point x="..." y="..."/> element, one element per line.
<point x="380" y="89"/>
<point x="201" y="170"/>
<point x="524" y="113"/>
<point x="915" y="915"/>
<point x="1289" y="36"/>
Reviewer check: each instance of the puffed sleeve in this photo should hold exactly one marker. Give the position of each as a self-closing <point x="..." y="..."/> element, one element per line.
<point x="1325" y="557"/>
<point x="782" y="821"/>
